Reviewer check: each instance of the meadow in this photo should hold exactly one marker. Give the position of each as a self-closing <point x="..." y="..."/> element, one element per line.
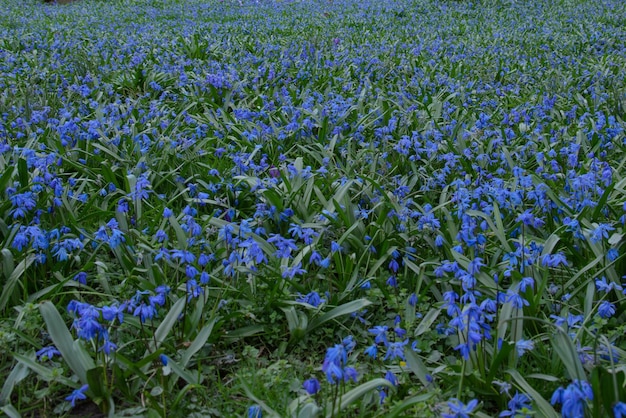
<point x="321" y="208"/>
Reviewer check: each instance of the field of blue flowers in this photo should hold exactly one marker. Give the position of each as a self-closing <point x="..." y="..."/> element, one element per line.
<point x="314" y="208"/>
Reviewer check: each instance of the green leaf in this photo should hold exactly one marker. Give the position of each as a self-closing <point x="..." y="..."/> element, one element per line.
<point x="427" y="321"/>
<point x="72" y="351"/>
<point x="95" y="379"/>
<point x="350" y="397"/>
<point x="165" y="327"/>
<point x="18" y="373"/>
<point x="198" y="342"/>
<point x="9" y="286"/>
<point x="244" y="332"/>
<point x="544" y="408"/>
<point x="408" y="403"/>
<point x="184" y="374"/>
<point x="10" y="411"/>
<point x="22" y="170"/>
<point x="418" y="367"/>
<point x="44" y="372"/>
<point x="272" y="413"/>
<point x="345" y="309"/>
<point x="564" y="348"/>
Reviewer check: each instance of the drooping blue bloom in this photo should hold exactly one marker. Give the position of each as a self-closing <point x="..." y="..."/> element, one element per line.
<point x="350" y="373"/>
<point x="47" y="353"/>
<point x="396" y="350"/>
<point x="380" y="334"/>
<point x="522" y="346"/>
<point x="606" y="309"/>
<point x="619" y="410"/>
<point x="77" y="394"/>
<point x="81" y="278"/>
<point x="255" y="411"/>
<point x="519" y="406"/>
<point x="460" y="410"/>
<point x="312" y="298"/>
<point x="574" y="399"/>
<point x="312" y="386"/>
<point x="391" y="378"/>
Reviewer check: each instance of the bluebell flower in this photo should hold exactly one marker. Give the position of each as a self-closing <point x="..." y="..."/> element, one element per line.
<point x="519" y="406"/>
<point x="312" y="298"/>
<point x="606" y="309"/>
<point x="573" y="399"/>
<point x="108" y="347"/>
<point x="391" y="378"/>
<point x="396" y="350"/>
<point x="350" y="373"/>
<point x="109" y="313"/>
<point x="47" y="353"/>
<point x="255" y="411"/>
<point x="291" y="272"/>
<point x="77" y="394"/>
<point x="619" y="410"/>
<point x="380" y="334"/>
<point x="603" y="286"/>
<point x="460" y="410"/>
<point x="144" y="311"/>
<point x="371" y="351"/>
<point x="81" y="278"/>
<point x="312" y="386"/>
<point x="522" y="346"/>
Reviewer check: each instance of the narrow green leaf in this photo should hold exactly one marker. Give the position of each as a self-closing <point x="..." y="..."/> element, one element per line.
<point x="198" y="342"/>
<point x="418" y="367"/>
<point x="408" y="403"/>
<point x="183" y="373"/>
<point x="18" y="373"/>
<point x="41" y="370"/>
<point x="345" y="309"/>
<point x="10" y="411"/>
<point x="356" y="393"/>
<point x="564" y="348"/>
<point x="72" y="351"/>
<point x="8" y="265"/>
<point x="22" y="170"/>
<point x="427" y="322"/>
<point x="9" y="286"/>
<point x="544" y="408"/>
<point x="272" y="413"/>
<point x="165" y="327"/>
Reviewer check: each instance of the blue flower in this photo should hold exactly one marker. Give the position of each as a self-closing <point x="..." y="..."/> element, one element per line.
<point x="606" y="309"/>
<point x="380" y="333"/>
<point x="312" y="299"/>
<point x="523" y="346"/>
<point x="350" y="373"/>
<point x="312" y="386"/>
<point x="47" y="353"/>
<point x="391" y="378"/>
<point x="255" y="411"/>
<point x="519" y="405"/>
<point x="459" y="410"/>
<point x="81" y="278"/>
<point x="619" y="410"/>
<point x="372" y="351"/>
<point x="77" y="394"/>
<point x="574" y="399"/>
<point x="396" y="350"/>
